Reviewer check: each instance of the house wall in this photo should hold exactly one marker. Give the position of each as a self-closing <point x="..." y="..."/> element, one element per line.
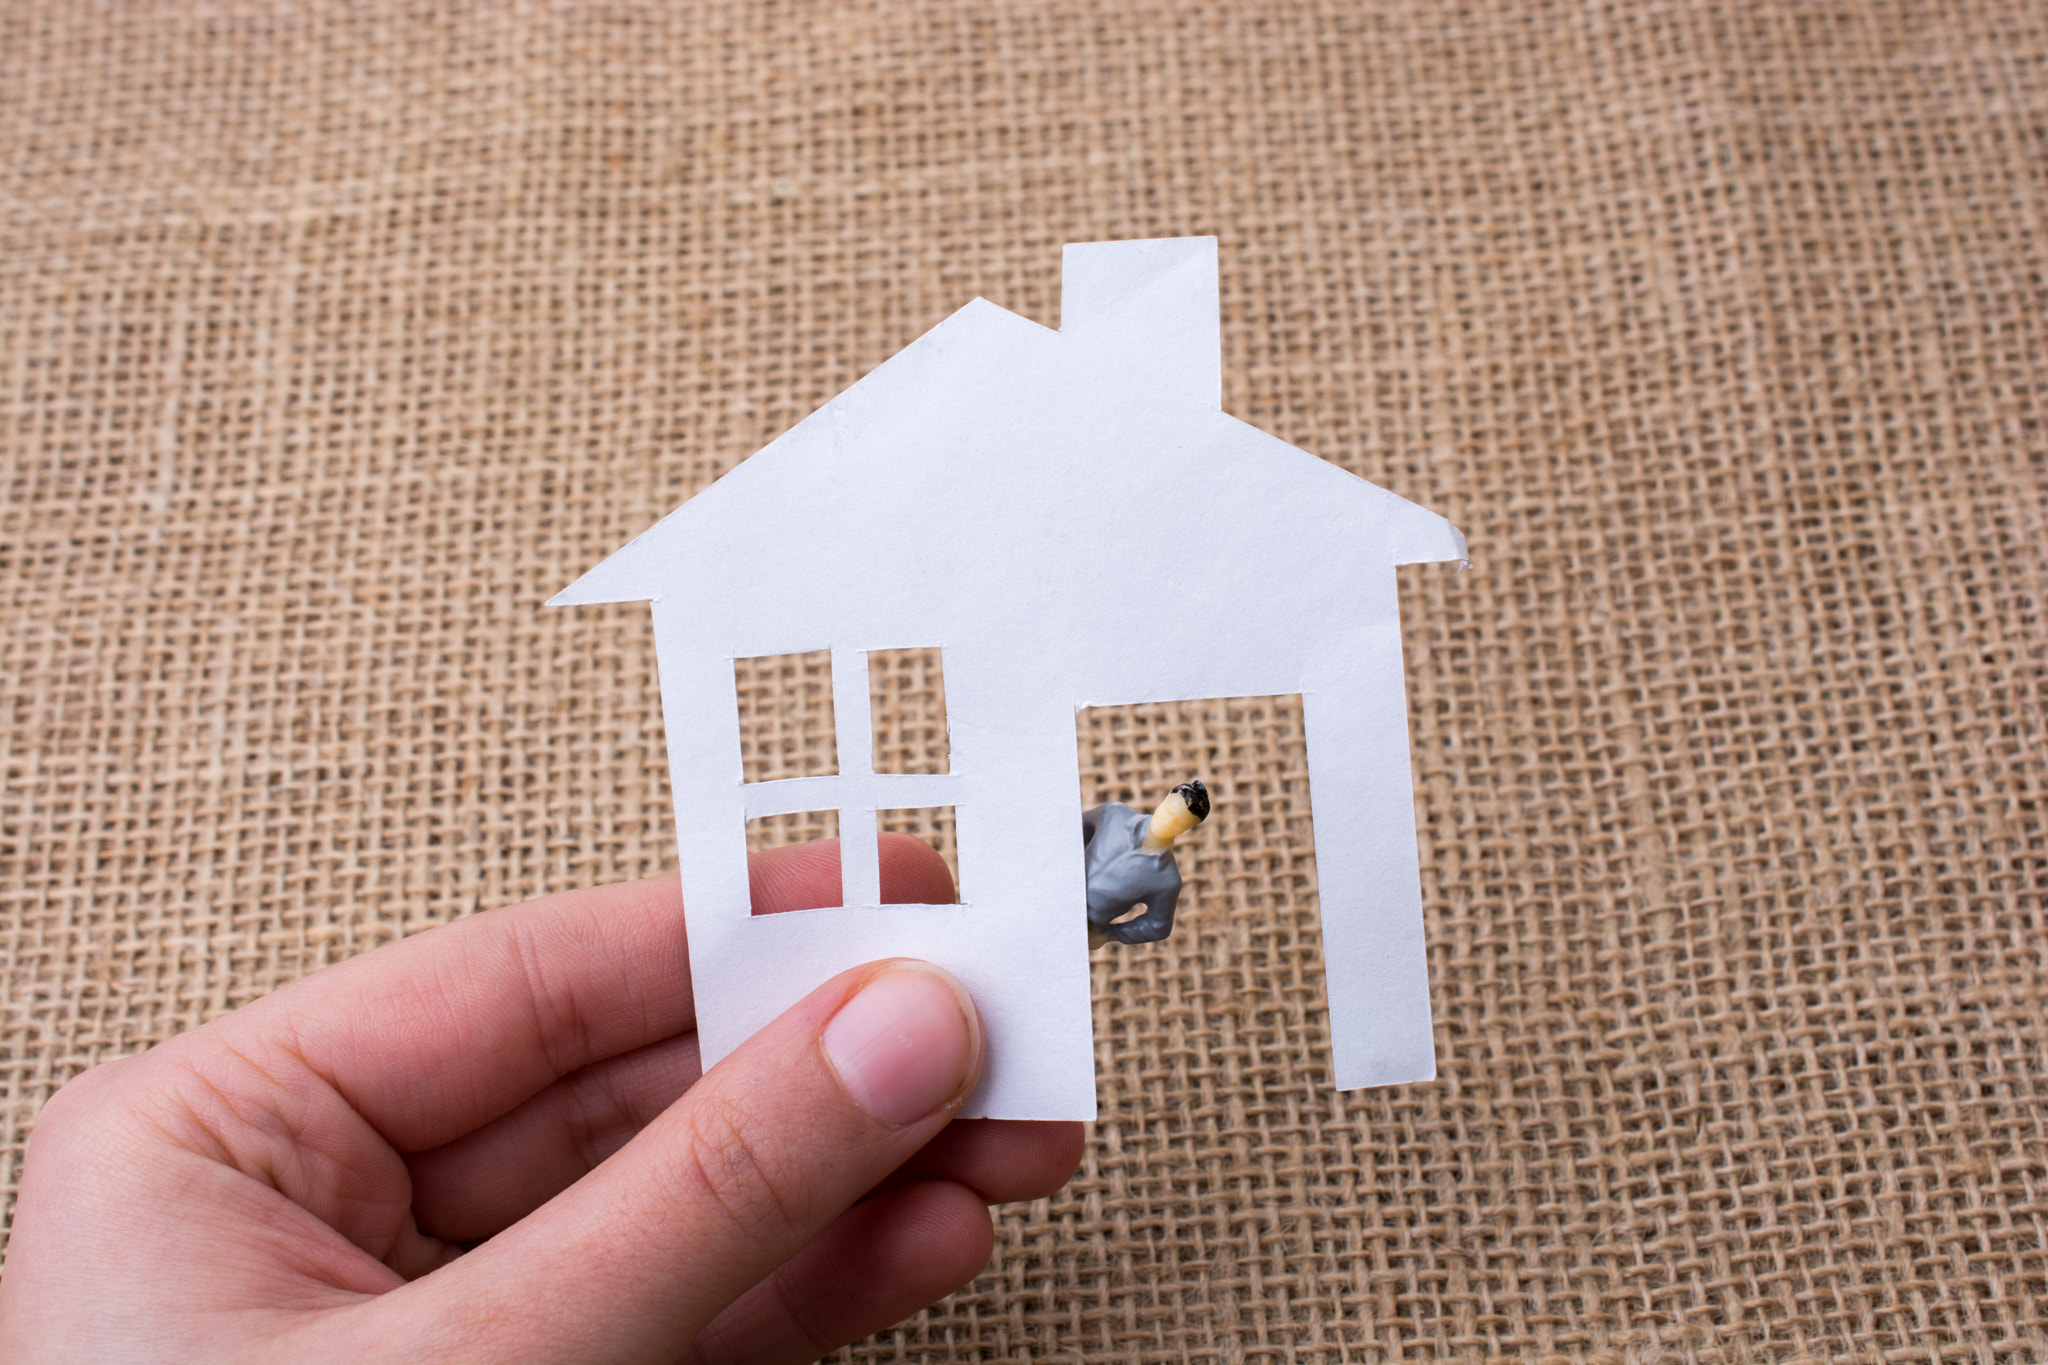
<point x="1019" y="941"/>
<point x="1368" y="867"/>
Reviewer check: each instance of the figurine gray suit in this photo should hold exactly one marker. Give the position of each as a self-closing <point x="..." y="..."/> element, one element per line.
<point x="1122" y="876"/>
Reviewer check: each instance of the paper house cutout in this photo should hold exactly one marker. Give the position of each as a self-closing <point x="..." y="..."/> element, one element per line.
<point x="1074" y="521"/>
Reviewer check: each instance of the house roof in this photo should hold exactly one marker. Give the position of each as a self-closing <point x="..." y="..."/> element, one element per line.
<point x="990" y="420"/>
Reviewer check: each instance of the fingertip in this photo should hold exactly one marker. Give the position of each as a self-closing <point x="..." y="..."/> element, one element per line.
<point x="926" y="1239"/>
<point x="1002" y="1160"/>
<point x="795" y="877"/>
<point x="1029" y="1160"/>
<point x="807" y="876"/>
<point x="1060" y="1148"/>
<point x="913" y="873"/>
<point x="953" y="1226"/>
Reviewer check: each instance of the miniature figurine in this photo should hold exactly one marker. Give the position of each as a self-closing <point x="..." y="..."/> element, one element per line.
<point x="1130" y="863"/>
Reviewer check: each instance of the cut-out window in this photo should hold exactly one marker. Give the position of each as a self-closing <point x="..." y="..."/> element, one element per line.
<point x="907" y="692"/>
<point x="789" y="878"/>
<point x="785" y="703"/>
<point x="903" y="879"/>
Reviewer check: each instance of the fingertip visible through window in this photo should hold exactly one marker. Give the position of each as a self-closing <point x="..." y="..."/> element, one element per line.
<point x="801" y="869"/>
<point x="936" y="827"/>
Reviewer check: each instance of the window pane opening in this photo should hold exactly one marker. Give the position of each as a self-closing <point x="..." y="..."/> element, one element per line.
<point x="907" y="696"/>
<point x="785" y="706"/>
<point x="907" y="877"/>
<point x="798" y="867"/>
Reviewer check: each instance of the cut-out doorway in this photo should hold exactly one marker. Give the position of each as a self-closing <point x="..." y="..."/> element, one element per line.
<point x="934" y="825"/>
<point x="1248" y="908"/>
<point x="786" y="718"/>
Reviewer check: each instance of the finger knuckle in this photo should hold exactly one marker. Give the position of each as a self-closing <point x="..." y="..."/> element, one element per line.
<point x="561" y="1026"/>
<point x="735" y="1164"/>
<point x="85" y="1094"/>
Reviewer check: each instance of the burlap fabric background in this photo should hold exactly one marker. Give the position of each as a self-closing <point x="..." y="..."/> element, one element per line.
<point x="336" y="339"/>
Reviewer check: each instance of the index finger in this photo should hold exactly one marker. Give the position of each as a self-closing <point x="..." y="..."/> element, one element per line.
<point x="433" y="1036"/>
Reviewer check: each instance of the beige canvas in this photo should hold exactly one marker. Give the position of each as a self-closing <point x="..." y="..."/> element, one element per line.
<point x="333" y="340"/>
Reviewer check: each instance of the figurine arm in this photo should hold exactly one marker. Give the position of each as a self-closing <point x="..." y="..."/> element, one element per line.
<point x="1157" y="921"/>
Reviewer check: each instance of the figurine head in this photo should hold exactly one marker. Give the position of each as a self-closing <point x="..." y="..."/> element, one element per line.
<point x="1184" y="807"/>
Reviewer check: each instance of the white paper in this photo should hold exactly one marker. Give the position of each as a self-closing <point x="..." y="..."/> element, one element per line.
<point x="1072" y="518"/>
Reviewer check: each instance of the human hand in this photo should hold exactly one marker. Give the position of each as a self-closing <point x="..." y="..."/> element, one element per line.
<point x="298" y="1180"/>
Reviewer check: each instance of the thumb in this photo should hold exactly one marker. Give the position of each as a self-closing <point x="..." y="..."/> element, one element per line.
<point x="776" y="1141"/>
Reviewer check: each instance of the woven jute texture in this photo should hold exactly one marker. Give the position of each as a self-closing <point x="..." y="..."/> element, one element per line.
<point x="335" y="339"/>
